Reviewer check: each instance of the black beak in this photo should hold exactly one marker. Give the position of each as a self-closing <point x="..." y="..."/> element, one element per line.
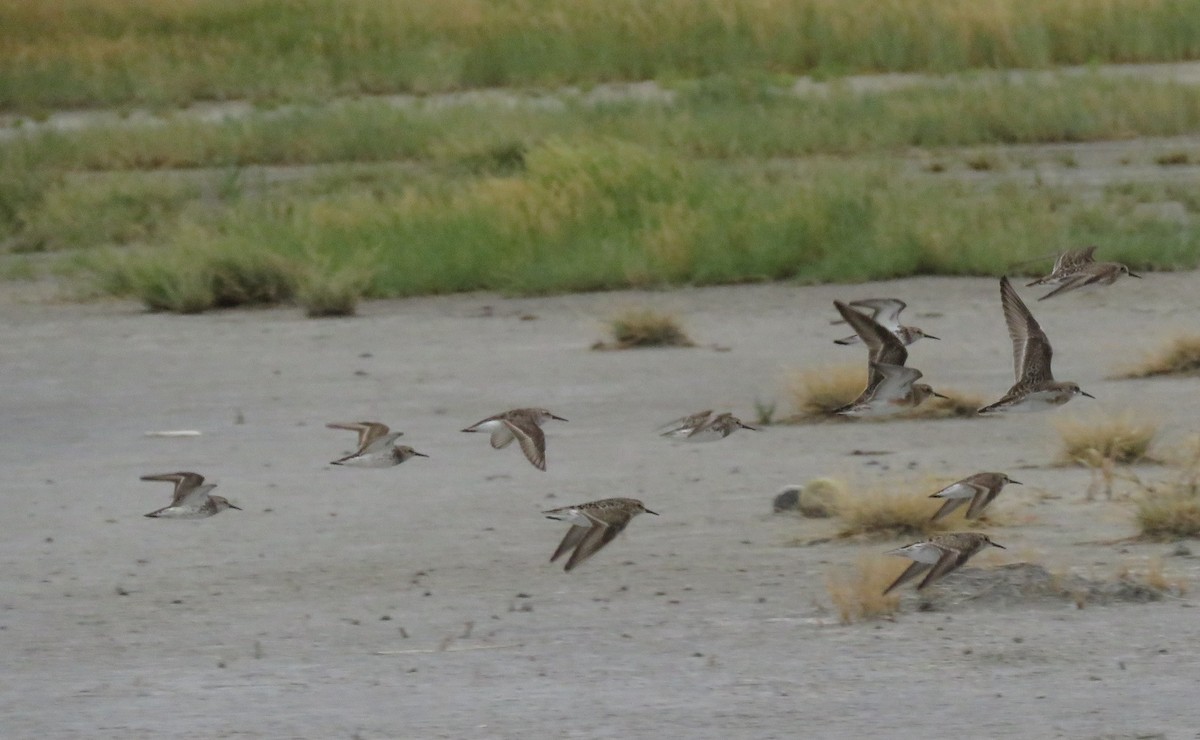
<point x="420" y="454"/>
<point x="1134" y="274"/>
<point x="747" y="426"/>
<point x="939" y="395"/>
<point x="552" y="416"/>
<point x="235" y="507"/>
<point x="655" y="513"/>
<point x="930" y="336"/>
<point x="1015" y="482"/>
<point x="993" y="544"/>
<point x="1085" y="393"/>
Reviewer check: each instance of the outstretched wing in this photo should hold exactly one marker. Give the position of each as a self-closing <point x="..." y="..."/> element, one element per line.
<point x="885" y="347"/>
<point x="531" y="439"/>
<point x="884" y="310"/>
<point x="1031" y="348"/>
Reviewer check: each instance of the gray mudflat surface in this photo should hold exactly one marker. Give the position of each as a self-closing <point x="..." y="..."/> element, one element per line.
<point x="700" y="623"/>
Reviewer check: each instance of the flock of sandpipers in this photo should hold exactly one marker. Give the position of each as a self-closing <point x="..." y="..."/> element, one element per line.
<point x="891" y="387"/>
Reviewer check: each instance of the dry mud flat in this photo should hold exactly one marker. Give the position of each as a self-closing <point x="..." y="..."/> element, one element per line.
<point x="417" y="602"/>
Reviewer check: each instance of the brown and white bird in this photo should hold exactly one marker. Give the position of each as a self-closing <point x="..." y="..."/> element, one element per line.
<point x="891" y="386"/>
<point x="375" y="448"/>
<point x="980" y="489"/>
<point x="1078" y="268"/>
<point x="702" y="426"/>
<point x="886" y="311"/>
<point x="523" y="425"/>
<point x="191" y="499"/>
<point x="939" y="555"/>
<point x="1035" y="389"/>
<point x="593" y="525"/>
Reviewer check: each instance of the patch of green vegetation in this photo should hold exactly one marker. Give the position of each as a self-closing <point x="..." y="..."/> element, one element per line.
<point x="710" y="119"/>
<point x="68" y="53"/>
<point x="596" y="214"/>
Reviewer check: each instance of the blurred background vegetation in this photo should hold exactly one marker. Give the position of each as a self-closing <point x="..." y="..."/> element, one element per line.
<point x="207" y="153"/>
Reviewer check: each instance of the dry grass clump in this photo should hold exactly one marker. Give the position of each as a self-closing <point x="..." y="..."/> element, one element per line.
<point x="858" y="594"/>
<point x="895" y="511"/>
<point x="1170" y="509"/>
<point x="1121" y="439"/>
<point x="816" y="393"/>
<point x="324" y="291"/>
<point x="644" y="327"/>
<point x="1152" y="575"/>
<point x="1181" y="356"/>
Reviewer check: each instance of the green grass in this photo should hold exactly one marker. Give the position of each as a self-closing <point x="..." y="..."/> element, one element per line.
<point x="716" y="118"/>
<point x="56" y="53"/>
<point x="597" y="214"/>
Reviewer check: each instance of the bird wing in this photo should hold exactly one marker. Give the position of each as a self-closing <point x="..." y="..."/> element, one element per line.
<point x="531" y="438"/>
<point x="690" y="421"/>
<point x="597" y="537"/>
<point x="885" y="347"/>
<point x="950" y="560"/>
<point x="893" y="381"/>
<point x="368" y="431"/>
<point x="911" y="572"/>
<point x="571" y="540"/>
<point x="1031" y="348"/>
<point x="193" y="498"/>
<point x="884" y="310"/>
<point x="380" y="443"/>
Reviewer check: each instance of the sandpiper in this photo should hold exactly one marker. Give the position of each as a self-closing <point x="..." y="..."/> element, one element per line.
<point x="702" y="426"/>
<point x="524" y="425"/>
<point x="375" y="448"/>
<point x="1078" y="268"/>
<point x="940" y="555"/>
<point x="191" y="499"/>
<point x="891" y="387"/>
<point x="1036" y="388"/>
<point x="886" y="311"/>
<point x="980" y="489"/>
<point x="593" y="525"/>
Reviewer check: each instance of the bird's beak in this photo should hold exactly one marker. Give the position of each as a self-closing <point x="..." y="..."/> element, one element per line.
<point x="420" y="454"/>
<point x="552" y="416"/>
<point x="939" y="395"/>
<point x="930" y="336"/>
<point x="1134" y="274"/>
<point x="1085" y="393"/>
<point x="1015" y="482"/>
<point x="747" y="426"/>
<point x="235" y="507"/>
<point x="1002" y="547"/>
<point x="655" y="513"/>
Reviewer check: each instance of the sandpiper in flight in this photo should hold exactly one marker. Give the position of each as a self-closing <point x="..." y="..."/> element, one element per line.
<point x="1078" y="268"/>
<point x="593" y="525"/>
<point x="980" y="489"/>
<point x="887" y="312"/>
<point x="702" y="426"/>
<point x="1036" y="388"/>
<point x="375" y="448"/>
<point x="940" y="555"/>
<point x="191" y="499"/>
<point x="891" y="387"/>
<point x="523" y="425"/>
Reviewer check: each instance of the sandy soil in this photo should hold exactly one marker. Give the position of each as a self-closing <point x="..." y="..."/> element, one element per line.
<point x="417" y="602"/>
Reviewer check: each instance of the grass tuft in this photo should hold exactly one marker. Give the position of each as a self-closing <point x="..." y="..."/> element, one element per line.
<point x="1181" y="356"/>
<point x="637" y="328"/>
<point x="1121" y="439"/>
<point x="1170" y="509"/>
<point x="816" y="393"/>
<point x="858" y="594"/>
<point x="896" y="511"/>
<point x="325" y="290"/>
